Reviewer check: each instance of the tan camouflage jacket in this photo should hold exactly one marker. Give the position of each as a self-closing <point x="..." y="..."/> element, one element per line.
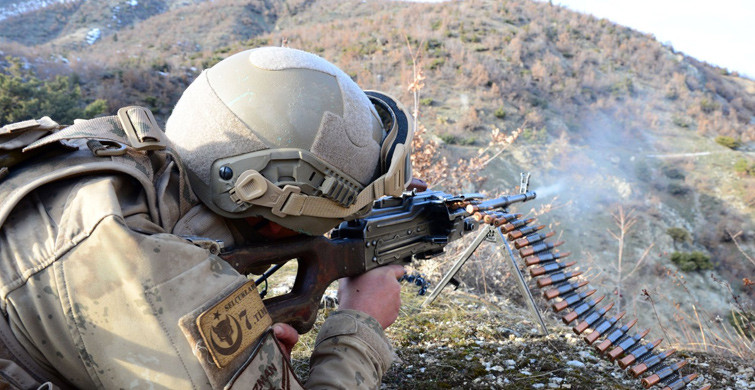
<point x="99" y="286"/>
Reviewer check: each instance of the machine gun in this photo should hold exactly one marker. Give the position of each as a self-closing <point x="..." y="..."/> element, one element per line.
<point x="419" y="226"/>
<point x="396" y="231"/>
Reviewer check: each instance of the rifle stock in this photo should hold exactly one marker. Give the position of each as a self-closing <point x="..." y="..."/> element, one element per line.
<point x="320" y="262"/>
<point x="396" y="231"/>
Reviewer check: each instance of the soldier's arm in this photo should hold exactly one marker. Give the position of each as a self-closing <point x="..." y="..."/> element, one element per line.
<point x="351" y="350"/>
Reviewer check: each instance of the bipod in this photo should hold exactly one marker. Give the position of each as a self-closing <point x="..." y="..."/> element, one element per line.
<point x="491" y="234"/>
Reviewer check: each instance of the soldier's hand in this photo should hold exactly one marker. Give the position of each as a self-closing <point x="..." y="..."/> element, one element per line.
<point x="376" y="293"/>
<point x="287" y="337"/>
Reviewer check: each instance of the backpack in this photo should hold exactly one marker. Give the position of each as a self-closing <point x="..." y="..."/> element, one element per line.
<point x="38" y="152"/>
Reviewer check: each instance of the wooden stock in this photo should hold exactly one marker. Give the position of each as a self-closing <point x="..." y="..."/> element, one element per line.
<point x="321" y="261"/>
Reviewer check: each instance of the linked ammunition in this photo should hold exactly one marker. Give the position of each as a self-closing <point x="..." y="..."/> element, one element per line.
<point x="602" y="327"/>
<point x="550" y="268"/>
<point x="557" y="277"/>
<point x="592" y="318"/>
<point x="545" y="258"/>
<point x="663" y="373"/>
<point x="507" y="227"/>
<point x="638" y="353"/>
<point x="572" y="299"/>
<point x="524" y="231"/>
<point x="479" y="216"/>
<point x="488" y="218"/>
<point x="498" y="217"/>
<point x="614" y="336"/>
<point x="563" y="289"/>
<point x="542" y="247"/>
<point x="581" y="309"/>
<point x="532" y="239"/>
<point x="680" y="383"/>
<point x="457" y="205"/>
<point x="505" y="218"/>
<point x="625" y="344"/>
<point x="650" y="362"/>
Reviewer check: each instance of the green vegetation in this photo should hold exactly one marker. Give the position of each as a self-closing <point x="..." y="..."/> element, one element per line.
<point x="691" y="261"/>
<point x="23" y="96"/>
<point x="457" y="140"/>
<point x="729" y="142"/>
<point x="745" y="167"/>
<point x="679" y="234"/>
<point x="535" y="136"/>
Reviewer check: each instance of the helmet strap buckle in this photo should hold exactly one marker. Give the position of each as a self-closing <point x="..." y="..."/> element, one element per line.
<point x="253" y="188"/>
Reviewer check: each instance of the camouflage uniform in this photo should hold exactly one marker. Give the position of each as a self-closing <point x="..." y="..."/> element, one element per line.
<point x="98" y="284"/>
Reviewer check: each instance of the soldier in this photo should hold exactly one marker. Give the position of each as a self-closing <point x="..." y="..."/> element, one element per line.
<point x="109" y="232"/>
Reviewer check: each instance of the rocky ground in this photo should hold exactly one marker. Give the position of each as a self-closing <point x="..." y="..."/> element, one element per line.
<point x="465" y="342"/>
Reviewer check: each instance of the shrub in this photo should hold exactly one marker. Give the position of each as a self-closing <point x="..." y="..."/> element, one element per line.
<point x="691" y="261"/>
<point x="679" y="234"/>
<point x="436" y="63"/>
<point x="677" y="188"/>
<point x="681" y="121"/>
<point x="673" y="172"/>
<point x="534" y="135"/>
<point x="744" y="167"/>
<point x="23" y="96"/>
<point x="728" y="142"/>
<point x="500" y="113"/>
<point x="708" y="105"/>
<point x="455" y="140"/>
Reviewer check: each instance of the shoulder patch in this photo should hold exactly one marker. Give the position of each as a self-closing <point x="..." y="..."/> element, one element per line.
<point x="233" y="324"/>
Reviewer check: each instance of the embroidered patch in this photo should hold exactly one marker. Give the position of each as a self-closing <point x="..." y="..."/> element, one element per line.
<point x="233" y="323"/>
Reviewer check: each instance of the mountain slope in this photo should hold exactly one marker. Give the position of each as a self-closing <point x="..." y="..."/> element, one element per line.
<point x="613" y="123"/>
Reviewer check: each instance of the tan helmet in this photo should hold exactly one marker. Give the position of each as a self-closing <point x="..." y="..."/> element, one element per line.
<point x="283" y="134"/>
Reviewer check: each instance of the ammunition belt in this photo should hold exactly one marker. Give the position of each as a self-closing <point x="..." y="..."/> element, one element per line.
<point x="610" y="334"/>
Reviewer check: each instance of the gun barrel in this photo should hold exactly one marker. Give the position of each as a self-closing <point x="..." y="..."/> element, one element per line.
<point x="501" y="202"/>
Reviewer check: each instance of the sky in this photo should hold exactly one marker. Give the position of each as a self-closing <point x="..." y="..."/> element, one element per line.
<point x="720" y="32"/>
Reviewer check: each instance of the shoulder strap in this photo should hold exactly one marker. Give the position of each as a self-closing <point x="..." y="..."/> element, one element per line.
<point x="133" y="126"/>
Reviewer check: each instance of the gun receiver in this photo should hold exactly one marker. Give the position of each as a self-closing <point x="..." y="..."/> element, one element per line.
<point x="396" y="231"/>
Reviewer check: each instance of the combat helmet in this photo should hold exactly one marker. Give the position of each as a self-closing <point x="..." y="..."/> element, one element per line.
<point x="285" y="135"/>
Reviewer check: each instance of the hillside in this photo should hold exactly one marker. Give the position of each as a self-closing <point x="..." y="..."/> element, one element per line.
<point x="613" y="124"/>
